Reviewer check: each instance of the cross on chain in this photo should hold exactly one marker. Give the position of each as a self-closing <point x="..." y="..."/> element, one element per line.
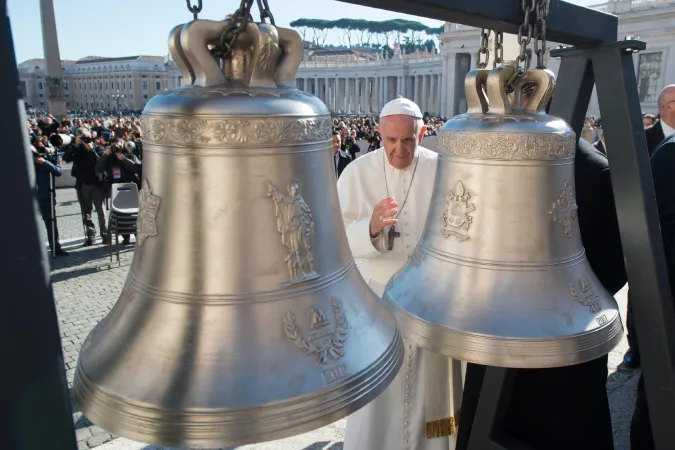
<point x="393" y="234"/>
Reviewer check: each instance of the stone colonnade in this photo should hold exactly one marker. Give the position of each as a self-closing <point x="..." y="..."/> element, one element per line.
<point x="367" y="95"/>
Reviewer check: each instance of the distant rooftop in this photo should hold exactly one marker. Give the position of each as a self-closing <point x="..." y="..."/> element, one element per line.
<point x="100" y="59"/>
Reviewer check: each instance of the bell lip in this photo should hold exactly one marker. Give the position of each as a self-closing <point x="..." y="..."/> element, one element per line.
<point x="309" y="412"/>
<point x="517" y="353"/>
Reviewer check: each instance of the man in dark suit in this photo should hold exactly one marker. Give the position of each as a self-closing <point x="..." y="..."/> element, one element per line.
<point x="663" y="165"/>
<point x="340" y="157"/>
<point x="655" y="134"/>
<point x="543" y="401"/>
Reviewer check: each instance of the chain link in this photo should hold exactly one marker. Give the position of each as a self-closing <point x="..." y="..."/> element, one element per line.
<point x="524" y="39"/>
<point x="236" y="23"/>
<point x="499" y="49"/>
<point x="484" y="49"/>
<point x="540" y="33"/>
<point x="265" y="12"/>
<point x="195" y="10"/>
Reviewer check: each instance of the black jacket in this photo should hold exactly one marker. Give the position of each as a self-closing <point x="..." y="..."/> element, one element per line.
<point x="84" y="163"/>
<point x="654" y="135"/>
<point x="115" y="170"/>
<point x="342" y="161"/>
<point x="567" y="407"/>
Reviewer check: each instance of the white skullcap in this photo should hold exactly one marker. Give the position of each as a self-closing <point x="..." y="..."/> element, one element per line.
<point x="401" y="106"/>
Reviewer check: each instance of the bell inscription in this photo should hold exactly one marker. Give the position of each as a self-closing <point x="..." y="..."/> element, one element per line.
<point x="584" y="293"/>
<point x="326" y="345"/>
<point x="457" y="211"/>
<point x="149" y="205"/>
<point x="564" y="209"/>
<point x="296" y="225"/>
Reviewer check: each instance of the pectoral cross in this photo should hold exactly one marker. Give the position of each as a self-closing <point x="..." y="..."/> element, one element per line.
<point x="393" y="234"/>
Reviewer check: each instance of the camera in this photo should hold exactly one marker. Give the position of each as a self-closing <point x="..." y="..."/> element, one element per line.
<point x="86" y="139"/>
<point x="137" y="135"/>
<point x="60" y="140"/>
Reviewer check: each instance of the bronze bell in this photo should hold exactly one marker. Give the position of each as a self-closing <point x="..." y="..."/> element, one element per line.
<point x="500" y="275"/>
<point x="243" y="318"/>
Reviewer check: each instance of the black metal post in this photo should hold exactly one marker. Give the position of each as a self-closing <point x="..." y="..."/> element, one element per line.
<point x="640" y="231"/>
<point x="52" y="211"/>
<point x="34" y="406"/>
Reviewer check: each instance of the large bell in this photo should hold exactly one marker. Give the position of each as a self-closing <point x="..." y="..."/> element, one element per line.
<point x="243" y="318"/>
<point x="500" y="275"/>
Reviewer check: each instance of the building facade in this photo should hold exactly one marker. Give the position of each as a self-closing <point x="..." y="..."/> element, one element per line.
<point x="360" y="81"/>
<point x="96" y="83"/>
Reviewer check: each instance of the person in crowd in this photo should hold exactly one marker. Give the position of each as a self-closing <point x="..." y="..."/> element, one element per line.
<point x="350" y="146"/>
<point x="46" y="168"/>
<point x="384" y="198"/>
<point x="84" y="154"/>
<point x="340" y="157"/>
<point x="118" y="165"/>
<point x="648" y="120"/>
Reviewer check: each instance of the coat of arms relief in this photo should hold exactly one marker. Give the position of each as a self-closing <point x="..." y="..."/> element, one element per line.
<point x="456" y="216"/>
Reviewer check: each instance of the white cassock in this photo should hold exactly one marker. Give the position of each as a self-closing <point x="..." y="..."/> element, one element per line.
<point x="396" y="419"/>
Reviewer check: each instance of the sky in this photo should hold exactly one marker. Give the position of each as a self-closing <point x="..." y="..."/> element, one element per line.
<point x="115" y="28"/>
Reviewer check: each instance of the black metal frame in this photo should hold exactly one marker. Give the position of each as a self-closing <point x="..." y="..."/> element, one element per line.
<point x="34" y="404"/>
<point x="30" y="340"/>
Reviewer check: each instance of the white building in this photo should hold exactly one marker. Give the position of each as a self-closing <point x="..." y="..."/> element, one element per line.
<point x="102" y="83"/>
<point x="360" y="82"/>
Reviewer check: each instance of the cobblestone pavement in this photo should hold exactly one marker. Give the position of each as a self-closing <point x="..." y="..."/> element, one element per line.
<point x="86" y="285"/>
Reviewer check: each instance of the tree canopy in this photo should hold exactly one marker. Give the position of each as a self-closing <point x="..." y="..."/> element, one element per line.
<point x="410" y="35"/>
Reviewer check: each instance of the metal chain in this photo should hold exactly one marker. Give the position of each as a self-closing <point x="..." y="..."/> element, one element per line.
<point x="237" y="23"/>
<point x="484" y="49"/>
<point x="499" y="49"/>
<point x="195" y="10"/>
<point x="265" y="12"/>
<point x="524" y="39"/>
<point x="540" y="33"/>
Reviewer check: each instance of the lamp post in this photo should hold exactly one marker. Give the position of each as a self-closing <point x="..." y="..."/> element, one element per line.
<point x="117" y="99"/>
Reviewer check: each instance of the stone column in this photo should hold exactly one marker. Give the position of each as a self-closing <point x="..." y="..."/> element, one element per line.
<point x="316" y="87"/>
<point x="337" y="95"/>
<point x="357" y="96"/>
<point x="53" y="88"/>
<point x="416" y="90"/>
<point x="376" y="95"/>
<point x="424" y="104"/>
<point x="348" y="93"/>
<point x="434" y="95"/>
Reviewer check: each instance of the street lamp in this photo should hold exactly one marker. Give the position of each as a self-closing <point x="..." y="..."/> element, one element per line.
<point x="117" y="98"/>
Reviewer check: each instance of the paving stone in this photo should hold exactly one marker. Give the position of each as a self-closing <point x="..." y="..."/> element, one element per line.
<point x="99" y="439"/>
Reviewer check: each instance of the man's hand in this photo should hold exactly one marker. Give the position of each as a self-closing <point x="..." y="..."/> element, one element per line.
<point x="381" y="217"/>
<point x="120" y="156"/>
<point x="39" y="160"/>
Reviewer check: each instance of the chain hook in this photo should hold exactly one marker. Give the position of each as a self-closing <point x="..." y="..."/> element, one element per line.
<point x="196" y="9"/>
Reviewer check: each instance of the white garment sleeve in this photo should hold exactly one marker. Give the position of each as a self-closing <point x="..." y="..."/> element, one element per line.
<point x="356" y="217"/>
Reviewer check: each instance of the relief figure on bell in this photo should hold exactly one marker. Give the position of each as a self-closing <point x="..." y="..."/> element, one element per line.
<point x="296" y="225"/>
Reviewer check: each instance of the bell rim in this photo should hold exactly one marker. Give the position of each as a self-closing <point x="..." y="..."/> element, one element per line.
<point x="530" y="353"/>
<point x="363" y="387"/>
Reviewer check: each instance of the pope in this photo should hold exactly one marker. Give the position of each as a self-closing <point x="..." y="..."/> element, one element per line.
<point x="385" y="197"/>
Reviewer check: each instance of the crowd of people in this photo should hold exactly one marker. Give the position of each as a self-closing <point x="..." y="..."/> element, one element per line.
<point x="103" y="150"/>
